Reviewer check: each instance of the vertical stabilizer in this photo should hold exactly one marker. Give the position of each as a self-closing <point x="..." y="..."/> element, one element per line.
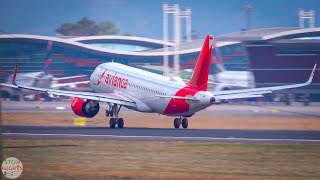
<point x="48" y="60"/>
<point x="199" y="78"/>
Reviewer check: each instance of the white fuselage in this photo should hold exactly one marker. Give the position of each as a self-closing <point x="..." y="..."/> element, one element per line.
<point x="145" y="87"/>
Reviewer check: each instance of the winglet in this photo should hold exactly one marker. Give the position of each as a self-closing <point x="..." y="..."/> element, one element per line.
<point x="312" y="74"/>
<point x="15" y="75"/>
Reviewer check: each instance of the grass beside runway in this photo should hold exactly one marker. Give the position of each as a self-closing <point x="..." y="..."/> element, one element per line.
<point x="202" y="120"/>
<point x="101" y="159"/>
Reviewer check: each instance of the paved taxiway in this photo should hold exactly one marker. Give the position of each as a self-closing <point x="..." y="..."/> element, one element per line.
<point x="154" y="134"/>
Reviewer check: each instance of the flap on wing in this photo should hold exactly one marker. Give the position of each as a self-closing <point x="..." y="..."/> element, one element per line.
<point x="237" y="96"/>
<point x="245" y="91"/>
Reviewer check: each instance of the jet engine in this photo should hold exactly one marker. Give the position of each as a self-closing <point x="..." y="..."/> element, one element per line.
<point x="85" y="108"/>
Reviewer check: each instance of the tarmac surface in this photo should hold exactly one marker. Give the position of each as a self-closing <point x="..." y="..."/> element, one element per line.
<point x="158" y="134"/>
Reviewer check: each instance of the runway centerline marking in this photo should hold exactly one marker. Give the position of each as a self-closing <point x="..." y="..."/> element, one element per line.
<point x="164" y="137"/>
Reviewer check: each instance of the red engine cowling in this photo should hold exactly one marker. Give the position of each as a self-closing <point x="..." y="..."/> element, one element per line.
<point x="85" y="108"/>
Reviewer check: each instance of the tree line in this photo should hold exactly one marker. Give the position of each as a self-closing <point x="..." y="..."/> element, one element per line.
<point x="88" y="27"/>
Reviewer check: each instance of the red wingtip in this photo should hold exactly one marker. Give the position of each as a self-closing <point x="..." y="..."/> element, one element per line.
<point x="15" y="75"/>
<point x="199" y="78"/>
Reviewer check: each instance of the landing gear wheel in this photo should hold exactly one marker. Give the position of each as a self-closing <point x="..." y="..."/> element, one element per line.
<point x="120" y="123"/>
<point x="111" y="113"/>
<point x="176" y="123"/>
<point x="112" y="123"/>
<point x="107" y="113"/>
<point x="184" y="123"/>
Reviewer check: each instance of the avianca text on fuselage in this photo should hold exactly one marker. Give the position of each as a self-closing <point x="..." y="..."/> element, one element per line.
<point x="113" y="80"/>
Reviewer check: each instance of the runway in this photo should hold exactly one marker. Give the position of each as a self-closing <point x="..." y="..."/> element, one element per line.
<point x="295" y="110"/>
<point x="156" y="134"/>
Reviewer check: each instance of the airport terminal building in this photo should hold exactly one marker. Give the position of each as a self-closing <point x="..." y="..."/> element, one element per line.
<point x="81" y="55"/>
<point x="276" y="56"/>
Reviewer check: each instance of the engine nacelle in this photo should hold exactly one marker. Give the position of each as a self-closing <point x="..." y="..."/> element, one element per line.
<point x="84" y="108"/>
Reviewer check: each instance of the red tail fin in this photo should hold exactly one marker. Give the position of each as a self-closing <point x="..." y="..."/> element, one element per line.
<point x="200" y="73"/>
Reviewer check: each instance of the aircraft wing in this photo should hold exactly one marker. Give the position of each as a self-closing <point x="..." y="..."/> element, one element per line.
<point x="103" y="97"/>
<point x="258" y="92"/>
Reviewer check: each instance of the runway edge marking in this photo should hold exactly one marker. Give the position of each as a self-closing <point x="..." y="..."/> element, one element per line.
<point x="163" y="137"/>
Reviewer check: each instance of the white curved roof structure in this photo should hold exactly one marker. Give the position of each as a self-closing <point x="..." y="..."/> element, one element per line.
<point x="127" y="38"/>
<point x="75" y="43"/>
<point x="294" y="32"/>
<point x="184" y="48"/>
<point x="269" y="34"/>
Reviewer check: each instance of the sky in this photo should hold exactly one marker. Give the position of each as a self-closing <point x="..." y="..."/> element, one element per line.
<point x="144" y="17"/>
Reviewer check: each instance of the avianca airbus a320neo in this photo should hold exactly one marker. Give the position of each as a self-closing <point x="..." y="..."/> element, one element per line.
<point x="120" y="85"/>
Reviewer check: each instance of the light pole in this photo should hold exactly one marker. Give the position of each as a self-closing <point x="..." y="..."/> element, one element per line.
<point x="309" y="15"/>
<point x="177" y="15"/>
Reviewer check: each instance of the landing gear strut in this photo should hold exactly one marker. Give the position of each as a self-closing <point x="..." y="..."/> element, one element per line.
<point x="114" y="111"/>
<point x="182" y="121"/>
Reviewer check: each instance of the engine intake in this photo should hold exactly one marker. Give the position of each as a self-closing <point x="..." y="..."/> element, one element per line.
<point x="84" y="108"/>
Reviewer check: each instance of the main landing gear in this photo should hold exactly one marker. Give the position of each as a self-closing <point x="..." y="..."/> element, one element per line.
<point x="113" y="112"/>
<point x="182" y="121"/>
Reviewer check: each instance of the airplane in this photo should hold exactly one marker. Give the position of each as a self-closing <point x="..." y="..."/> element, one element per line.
<point x="40" y="79"/>
<point x="37" y="79"/>
<point x="123" y="86"/>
